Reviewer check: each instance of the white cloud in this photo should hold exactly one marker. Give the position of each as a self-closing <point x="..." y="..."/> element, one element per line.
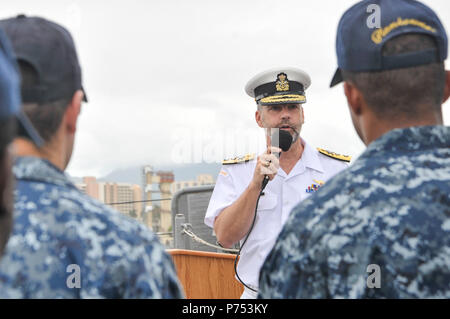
<point x="152" y="66"/>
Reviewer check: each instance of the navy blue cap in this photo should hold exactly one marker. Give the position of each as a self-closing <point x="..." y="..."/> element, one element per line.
<point x="359" y="47"/>
<point x="9" y="81"/>
<point x="49" y="49"/>
<point x="10" y="101"/>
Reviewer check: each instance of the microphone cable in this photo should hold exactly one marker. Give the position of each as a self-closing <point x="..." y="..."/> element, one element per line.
<point x="264" y="183"/>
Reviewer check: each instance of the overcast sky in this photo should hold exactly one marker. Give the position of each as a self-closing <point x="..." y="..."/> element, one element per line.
<point x="159" y="74"/>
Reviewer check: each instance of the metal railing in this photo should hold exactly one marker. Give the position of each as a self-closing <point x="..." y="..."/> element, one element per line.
<point x="139" y="201"/>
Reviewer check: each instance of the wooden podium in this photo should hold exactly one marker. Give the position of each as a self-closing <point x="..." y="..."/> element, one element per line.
<point x="206" y="275"/>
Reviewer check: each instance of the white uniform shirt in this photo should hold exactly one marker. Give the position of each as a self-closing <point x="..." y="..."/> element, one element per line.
<point x="281" y="195"/>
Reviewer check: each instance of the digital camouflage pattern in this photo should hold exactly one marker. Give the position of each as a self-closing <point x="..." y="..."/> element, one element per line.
<point x="390" y="208"/>
<point x="56" y="225"/>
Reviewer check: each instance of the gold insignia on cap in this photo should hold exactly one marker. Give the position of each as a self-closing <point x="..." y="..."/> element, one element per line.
<point x="380" y="33"/>
<point x="282" y="83"/>
<point x="238" y="160"/>
<point x="344" y="158"/>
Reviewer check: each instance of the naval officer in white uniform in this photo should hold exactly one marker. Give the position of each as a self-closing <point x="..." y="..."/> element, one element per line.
<point x="300" y="171"/>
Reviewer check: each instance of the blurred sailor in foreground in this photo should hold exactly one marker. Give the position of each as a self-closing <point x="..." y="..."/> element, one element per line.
<point x="12" y="122"/>
<point x="299" y="172"/>
<point x="381" y="228"/>
<point x="64" y="243"/>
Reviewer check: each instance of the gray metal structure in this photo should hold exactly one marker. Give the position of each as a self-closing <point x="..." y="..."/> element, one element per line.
<point x="189" y="207"/>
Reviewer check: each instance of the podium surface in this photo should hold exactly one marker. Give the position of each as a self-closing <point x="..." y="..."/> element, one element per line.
<point x="206" y="275"/>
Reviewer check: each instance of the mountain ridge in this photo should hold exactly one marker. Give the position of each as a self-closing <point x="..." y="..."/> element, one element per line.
<point x="133" y="174"/>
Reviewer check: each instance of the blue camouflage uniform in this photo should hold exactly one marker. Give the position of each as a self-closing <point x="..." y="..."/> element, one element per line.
<point x="57" y="226"/>
<point x="391" y="208"/>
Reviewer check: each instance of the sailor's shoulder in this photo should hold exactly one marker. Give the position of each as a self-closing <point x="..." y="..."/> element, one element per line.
<point x="239" y="160"/>
<point x="336" y="156"/>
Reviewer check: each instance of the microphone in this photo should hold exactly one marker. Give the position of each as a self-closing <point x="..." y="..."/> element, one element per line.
<point x="284" y="140"/>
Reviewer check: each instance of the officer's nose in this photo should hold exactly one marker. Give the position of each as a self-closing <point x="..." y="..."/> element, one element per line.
<point x="285" y="113"/>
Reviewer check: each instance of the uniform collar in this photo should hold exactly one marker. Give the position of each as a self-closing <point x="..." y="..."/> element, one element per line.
<point x="39" y="170"/>
<point x="309" y="159"/>
<point x="408" y="140"/>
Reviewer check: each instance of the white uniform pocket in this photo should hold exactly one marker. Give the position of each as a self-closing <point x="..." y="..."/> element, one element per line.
<point x="267" y="202"/>
<point x="266" y="217"/>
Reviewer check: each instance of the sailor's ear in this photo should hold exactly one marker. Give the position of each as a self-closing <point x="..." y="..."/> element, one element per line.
<point x="447" y="86"/>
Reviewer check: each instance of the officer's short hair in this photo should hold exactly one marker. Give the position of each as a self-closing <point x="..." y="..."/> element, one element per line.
<point x="45" y="117"/>
<point x="402" y="92"/>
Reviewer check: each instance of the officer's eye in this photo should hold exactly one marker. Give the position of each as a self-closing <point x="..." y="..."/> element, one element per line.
<point x="275" y="108"/>
<point x="293" y="107"/>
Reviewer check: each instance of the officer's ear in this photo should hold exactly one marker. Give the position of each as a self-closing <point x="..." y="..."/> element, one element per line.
<point x="447" y="86"/>
<point x="354" y="98"/>
<point x="303" y="114"/>
<point x="258" y="116"/>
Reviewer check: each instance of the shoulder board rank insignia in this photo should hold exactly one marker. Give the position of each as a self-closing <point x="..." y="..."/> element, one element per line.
<point x="344" y="158"/>
<point x="238" y="160"/>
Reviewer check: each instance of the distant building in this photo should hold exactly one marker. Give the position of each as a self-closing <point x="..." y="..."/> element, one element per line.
<point x="202" y="179"/>
<point x="112" y="193"/>
<point x="91" y="186"/>
<point x="151" y="204"/>
<point x="157" y="193"/>
<point x="128" y="194"/>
